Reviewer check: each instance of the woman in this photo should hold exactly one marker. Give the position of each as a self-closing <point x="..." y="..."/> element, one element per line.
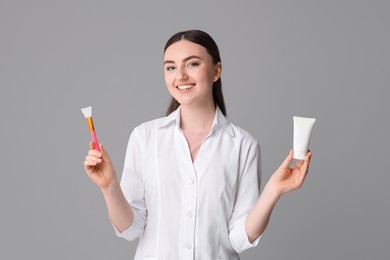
<point x="191" y="180"/>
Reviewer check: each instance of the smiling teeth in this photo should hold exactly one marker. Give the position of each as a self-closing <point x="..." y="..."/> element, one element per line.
<point x="185" y="87"/>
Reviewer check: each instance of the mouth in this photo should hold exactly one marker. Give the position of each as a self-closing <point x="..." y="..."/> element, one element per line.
<point x="185" y="87"/>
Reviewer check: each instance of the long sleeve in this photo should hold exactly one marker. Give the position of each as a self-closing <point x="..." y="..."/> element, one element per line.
<point x="247" y="194"/>
<point x="133" y="188"/>
<point x="190" y="210"/>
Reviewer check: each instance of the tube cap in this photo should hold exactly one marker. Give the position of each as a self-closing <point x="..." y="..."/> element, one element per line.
<point x="299" y="155"/>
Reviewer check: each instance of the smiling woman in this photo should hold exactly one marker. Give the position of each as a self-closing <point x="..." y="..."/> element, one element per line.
<point x="190" y="187"/>
<point x="189" y="75"/>
<point x="209" y="49"/>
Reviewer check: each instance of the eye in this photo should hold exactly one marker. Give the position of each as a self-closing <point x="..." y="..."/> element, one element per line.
<point x="170" y="68"/>
<point x="193" y="64"/>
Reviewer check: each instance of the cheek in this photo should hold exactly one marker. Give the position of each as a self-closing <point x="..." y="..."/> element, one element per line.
<point x="168" y="80"/>
<point x="209" y="75"/>
<point x="169" y="84"/>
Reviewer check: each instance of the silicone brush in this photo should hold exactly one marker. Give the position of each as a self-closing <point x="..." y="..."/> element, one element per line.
<point x="87" y="111"/>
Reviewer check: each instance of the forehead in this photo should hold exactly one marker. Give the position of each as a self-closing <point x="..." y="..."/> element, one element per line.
<point x="183" y="49"/>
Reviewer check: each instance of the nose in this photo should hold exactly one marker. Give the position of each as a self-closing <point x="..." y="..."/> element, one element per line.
<point x="181" y="74"/>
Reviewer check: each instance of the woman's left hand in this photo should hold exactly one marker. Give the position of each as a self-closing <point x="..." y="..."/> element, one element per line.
<point x="287" y="179"/>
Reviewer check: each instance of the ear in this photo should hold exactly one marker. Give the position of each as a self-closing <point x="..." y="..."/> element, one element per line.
<point x="217" y="71"/>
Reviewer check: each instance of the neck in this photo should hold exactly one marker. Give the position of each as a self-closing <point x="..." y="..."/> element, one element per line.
<point x="197" y="119"/>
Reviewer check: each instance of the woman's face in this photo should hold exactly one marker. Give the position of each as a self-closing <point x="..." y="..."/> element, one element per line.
<point x="189" y="73"/>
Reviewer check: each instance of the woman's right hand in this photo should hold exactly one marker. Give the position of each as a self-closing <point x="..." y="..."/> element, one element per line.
<point x="99" y="168"/>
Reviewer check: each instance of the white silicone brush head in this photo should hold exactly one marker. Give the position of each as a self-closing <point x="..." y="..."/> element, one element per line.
<point x="87" y="111"/>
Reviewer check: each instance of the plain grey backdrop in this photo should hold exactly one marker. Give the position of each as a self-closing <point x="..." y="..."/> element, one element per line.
<point x="323" y="59"/>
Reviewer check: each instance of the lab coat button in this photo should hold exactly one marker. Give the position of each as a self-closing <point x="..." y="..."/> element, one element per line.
<point x="187" y="245"/>
<point x="189" y="214"/>
<point x="191" y="181"/>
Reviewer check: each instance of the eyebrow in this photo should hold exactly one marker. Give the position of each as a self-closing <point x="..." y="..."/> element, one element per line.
<point x="184" y="60"/>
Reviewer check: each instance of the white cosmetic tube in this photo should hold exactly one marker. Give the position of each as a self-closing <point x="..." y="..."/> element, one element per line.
<point x="302" y="133"/>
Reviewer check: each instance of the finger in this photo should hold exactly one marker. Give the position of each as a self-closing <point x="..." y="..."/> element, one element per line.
<point x="305" y="166"/>
<point x="96" y="153"/>
<point x="105" y="156"/>
<point x="288" y="160"/>
<point x="102" y="149"/>
<point x="92" y="146"/>
<point x="299" y="163"/>
<point x="303" y="172"/>
<point x="89" y="163"/>
<point x="92" y="158"/>
<point x="308" y="157"/>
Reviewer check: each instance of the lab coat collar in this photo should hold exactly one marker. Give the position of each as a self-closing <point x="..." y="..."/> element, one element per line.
<point x="219" y="120"/>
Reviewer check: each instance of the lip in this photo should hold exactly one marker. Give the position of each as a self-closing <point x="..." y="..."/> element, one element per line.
<point x="185" y="86"/>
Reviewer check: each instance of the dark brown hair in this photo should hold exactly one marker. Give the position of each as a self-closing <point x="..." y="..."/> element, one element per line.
<point x="205" y="40"/>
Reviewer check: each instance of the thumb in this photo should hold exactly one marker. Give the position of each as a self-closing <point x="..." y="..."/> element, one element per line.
<point x="288" y="160"/>
<point x="104" y="152"/>
<point x="102" y="149"/>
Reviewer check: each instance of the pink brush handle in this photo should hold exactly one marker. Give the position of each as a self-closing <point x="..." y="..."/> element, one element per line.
<point x="94" y="138"/>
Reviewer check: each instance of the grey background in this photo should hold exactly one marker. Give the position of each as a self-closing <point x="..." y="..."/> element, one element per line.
<point x="323" y="59"/>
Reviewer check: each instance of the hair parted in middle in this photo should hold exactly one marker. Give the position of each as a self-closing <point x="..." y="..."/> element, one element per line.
<point x="204" y="39"/>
